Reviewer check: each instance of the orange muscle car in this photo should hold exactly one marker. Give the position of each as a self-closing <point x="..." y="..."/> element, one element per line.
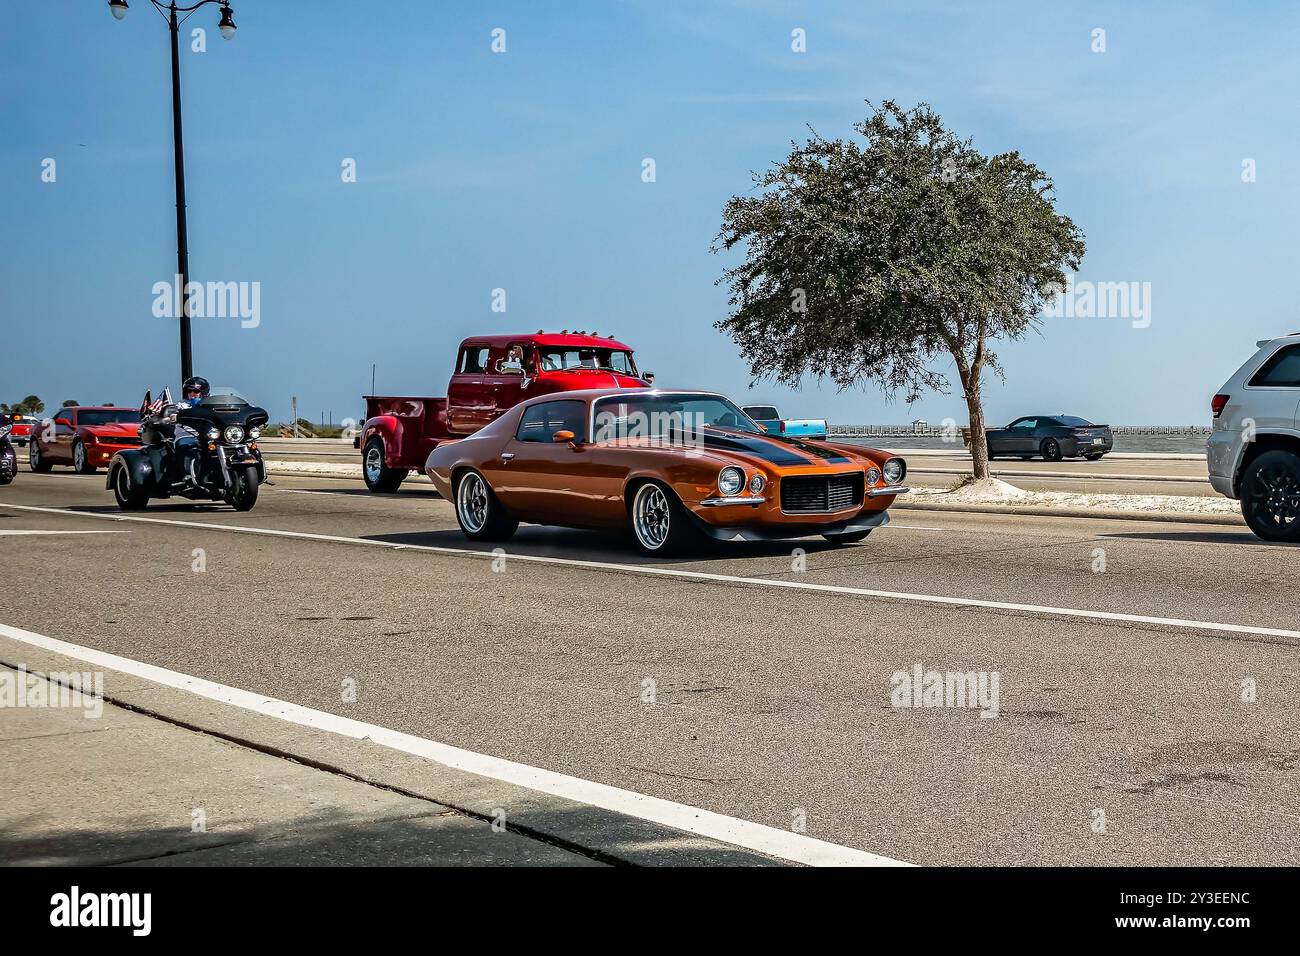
<point x="674" y="467"/>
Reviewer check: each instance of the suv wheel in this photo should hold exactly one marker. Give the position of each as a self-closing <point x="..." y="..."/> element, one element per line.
<point x="1270" y="496"/>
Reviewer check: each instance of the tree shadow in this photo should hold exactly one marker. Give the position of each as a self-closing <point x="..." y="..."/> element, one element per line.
<point x="411" y="836"/>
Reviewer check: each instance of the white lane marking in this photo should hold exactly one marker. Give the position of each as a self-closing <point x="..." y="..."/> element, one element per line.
<point x="1174" y="622"/>
<point x="105" y="531"/>
<point x="783" y="844"/>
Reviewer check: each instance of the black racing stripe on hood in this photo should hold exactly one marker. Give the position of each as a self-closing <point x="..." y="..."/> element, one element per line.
<point x="825" y="454"/>
<point x="765" y="448"/>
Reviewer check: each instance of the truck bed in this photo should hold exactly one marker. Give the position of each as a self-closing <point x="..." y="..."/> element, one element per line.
<point x="415" y="423"/>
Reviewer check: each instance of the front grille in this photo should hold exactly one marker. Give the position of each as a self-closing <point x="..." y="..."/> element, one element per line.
<point x="118" y="441"/>
<point x="810" y="494"/>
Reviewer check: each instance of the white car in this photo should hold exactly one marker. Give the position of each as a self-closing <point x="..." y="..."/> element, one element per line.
<point x="1254" y="448"/>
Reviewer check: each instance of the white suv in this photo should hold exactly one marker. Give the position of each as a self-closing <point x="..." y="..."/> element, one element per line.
<point x="1254" y="447"/>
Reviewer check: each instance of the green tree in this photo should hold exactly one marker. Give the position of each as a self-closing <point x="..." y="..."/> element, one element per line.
<point x="872" y="261"/>
<point x="31" y="405"/>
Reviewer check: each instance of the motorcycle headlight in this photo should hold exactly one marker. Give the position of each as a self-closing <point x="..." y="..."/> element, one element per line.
<point x="255" y="433"/>
<point x="233" y="434"/>
<point x="894" y="470"/>
<point x="757" y="484"/>
<point x="213" y="434"/>
<point x="730" y="480"/>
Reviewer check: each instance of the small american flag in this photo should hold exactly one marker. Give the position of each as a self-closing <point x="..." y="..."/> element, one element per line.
<point x="159" y="403"/>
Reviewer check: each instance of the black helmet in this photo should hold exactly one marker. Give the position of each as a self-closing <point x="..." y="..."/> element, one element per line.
<point x="197" y="386"/>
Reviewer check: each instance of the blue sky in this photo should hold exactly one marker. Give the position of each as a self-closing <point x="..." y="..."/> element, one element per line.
<point x="522" y="171"/>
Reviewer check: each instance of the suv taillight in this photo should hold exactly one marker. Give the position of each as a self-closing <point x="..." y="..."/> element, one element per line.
<point x="1217" y="404"/>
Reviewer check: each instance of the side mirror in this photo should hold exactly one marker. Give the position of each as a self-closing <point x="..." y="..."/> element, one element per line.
<point x="563" y="436"/>
<point x="649" y="377"/>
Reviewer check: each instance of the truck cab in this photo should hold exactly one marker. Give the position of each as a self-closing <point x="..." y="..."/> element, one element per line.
<point x="492" y="373"/>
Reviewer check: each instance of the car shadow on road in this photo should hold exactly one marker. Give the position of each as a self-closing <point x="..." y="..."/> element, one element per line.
<point x="1200" y="537"/>
<point x="577" y="545"/>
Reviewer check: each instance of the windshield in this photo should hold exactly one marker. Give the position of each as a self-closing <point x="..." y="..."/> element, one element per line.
<point x="107" y="416"/>
<point x="224" y="395"/>
<point x="1073" y="421"/>
<point x="671" y="415"/>
<point x="555" y="359"/>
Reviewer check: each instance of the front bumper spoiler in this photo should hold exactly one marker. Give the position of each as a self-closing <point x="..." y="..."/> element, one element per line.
<point x="770" y="532"/>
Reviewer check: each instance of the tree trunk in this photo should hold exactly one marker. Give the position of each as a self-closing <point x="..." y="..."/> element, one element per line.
<point x="979" y="443"/>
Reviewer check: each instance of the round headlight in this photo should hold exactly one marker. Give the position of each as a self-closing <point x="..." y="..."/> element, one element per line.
<point x="894" y="470"/>
<point x="730" y="480"/>
<point x="213" y="434"/>
<point x="873" y="476"/>
<point x="255" y="433"/>
<point x="233" y="434"/>
<point x="757" y="484"/>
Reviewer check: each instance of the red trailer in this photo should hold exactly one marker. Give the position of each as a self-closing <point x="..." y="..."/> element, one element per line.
<point x="492" y="373"/>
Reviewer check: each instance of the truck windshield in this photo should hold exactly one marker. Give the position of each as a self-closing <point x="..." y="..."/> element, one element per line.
<point x="564" y="360"/>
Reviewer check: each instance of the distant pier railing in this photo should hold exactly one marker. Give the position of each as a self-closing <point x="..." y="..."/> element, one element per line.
<point x="952" y="431"/>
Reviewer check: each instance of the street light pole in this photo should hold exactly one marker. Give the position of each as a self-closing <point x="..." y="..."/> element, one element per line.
<point x="227" y="29"/>
<point x="182" y="235"/>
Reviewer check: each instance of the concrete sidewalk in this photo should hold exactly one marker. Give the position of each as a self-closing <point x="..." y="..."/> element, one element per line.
<point x="119" y="787"/>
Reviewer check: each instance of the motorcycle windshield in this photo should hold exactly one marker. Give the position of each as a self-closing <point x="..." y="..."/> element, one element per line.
<point x="224" y="396"/>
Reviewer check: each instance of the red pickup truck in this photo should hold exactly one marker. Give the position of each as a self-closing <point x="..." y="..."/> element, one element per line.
<point x="492" y="374"/>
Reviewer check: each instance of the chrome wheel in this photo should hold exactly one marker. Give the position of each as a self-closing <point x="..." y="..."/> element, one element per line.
<point x="374" y="464"/>
<point x="79" y="457"/>
<point x="650" y="518"/>
<point x="472" y="502"/>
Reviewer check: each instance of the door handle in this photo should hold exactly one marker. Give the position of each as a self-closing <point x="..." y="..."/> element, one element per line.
<point x="507" y="456"/>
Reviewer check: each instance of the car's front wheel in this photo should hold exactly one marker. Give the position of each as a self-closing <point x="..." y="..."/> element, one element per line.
<point x="1051" y="449"/>
<point x="1270" y="496"/>
<point x="80" y="461"/>
<point x="660" y="523"/>
<point x="8" y="463"/>
<point x="479" y="512"/>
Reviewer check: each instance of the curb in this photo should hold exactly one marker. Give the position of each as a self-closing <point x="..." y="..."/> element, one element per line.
<point x="999" y="473"/>
<point x="1041" y="512"/>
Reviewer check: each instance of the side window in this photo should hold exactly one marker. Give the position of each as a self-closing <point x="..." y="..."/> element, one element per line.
<point x="474" y="359"/>
<point x="541" y="422"/>
<point x="1280" y="371"/>
<point x="512" y="363"/>
<point x="1028" y="423"/>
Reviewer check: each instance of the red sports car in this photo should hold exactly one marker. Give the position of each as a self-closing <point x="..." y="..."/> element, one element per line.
<point x="21" y="429"/>
<point x="83" y="436"/>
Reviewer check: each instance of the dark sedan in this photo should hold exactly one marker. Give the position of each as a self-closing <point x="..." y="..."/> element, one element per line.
<point x="1052" y="436"/>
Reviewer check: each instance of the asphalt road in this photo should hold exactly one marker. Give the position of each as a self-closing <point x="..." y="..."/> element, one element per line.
<point x="769" y="699"/>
